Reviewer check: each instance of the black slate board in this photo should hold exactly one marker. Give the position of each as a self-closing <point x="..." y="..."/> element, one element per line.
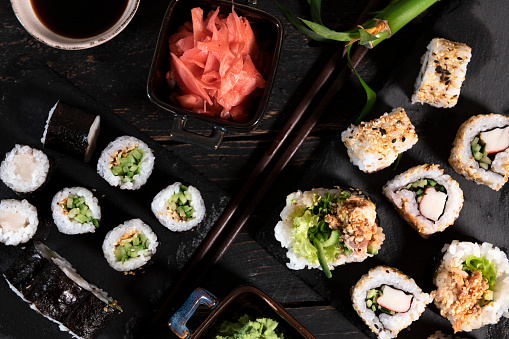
<point x="485" y="213"/>
<point x="23" y="111"/>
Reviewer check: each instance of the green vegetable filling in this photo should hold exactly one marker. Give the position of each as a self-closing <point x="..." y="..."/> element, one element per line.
<point x="78" y="210"/>
<point x="248" y="327"/>
<point x="179" y="204"/>
<point x="488" y="271"/>
<point x="126" y="164"/>
<point x="479" y="152"/>
<point x="371" y="303"/>
<point x="419" y="187"/>
<point x="130" y="245"/>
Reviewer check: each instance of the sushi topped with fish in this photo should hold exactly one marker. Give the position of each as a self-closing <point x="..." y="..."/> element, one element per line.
<point x="328" y="227"/>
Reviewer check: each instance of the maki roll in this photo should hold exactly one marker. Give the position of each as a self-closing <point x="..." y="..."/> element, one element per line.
<point x="388" y="300"/>
<point x="129" y="245"/>
<point x="126" y="162"/>
<point x="179" y="207"/>
<point x="24" y="169"/>
<point x="18" y="221"/>
<point x="472" y="285"/>
<point x="427" y="198"/>
<point x="480" y="150"/>
<point x="75" y="210"/>
<point x="328" y="227"/>
<point x="375" y="144"/>
<point x="443" y="70"/>
<point x="71" y="130"/>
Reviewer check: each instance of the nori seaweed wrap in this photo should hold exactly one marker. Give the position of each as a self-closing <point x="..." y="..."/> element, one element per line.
<point x="25" y="268"/>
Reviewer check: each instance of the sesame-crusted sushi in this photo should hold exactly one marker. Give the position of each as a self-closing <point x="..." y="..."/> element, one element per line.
<point x="375" y="144"/>
<point x="443" y="70"/>
<point x="18" y="221"/>
<point x="481" y="150"/>
<point x="427" y="198"/>
<point x="388" y="300"/>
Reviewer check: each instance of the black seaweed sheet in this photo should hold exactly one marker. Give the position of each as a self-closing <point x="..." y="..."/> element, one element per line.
<point x="485" y="213"/>
<point x="23" y="112"/>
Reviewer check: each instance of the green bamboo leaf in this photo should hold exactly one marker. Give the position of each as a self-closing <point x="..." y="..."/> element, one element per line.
<point x="299" y="25"/>
<point x="316" y="11"/>
<point x="329" y="33"/>
<point x="366" y="38"/>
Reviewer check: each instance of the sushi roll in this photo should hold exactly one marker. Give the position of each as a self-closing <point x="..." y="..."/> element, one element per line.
<point x="71" y="130"/>
<point x="480" y="150"/>
<point x="472" y="285"/>
<point x="24" y="169"/>
<point x="179" y="207"/>
<point x="18" y="221"/>
<point x="427" y="198"/>
<point x="375" y="144"/>
<point x="75" y="210"/>
<point x="129" y="245"/>
<point x="443" y="70"/>
<point x="388" y="300"/>
<point x="328" y="227"/>
<point x="126" y="162"/>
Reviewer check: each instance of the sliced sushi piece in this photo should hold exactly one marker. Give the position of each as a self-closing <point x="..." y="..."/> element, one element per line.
<point x="129" y="245"/>
<point x="179" y="207"/>
<point x="126" y="162"/>
<point x="427" y="198"/>
<point x="75" y="210"/>
<point x="388" y="300"/>
<point x="480" y="150"/>
<point x="71" y="130"/>
<point x="18" y="221"/>
<point x="24" y="169"/>
<point x="328" y="227"/>
<point x="375" y="144"/>
<point x="443" y="70"/>
<point x="472" y="285"/>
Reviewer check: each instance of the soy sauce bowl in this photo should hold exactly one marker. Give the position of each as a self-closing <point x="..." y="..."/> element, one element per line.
<point x="26" y="15"/>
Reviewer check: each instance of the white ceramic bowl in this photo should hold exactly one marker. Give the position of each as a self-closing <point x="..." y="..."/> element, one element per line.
<point x="25" y="14"/>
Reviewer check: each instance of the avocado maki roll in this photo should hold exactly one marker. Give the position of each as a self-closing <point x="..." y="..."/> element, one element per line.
<point x="75" y="210"/>
<point x="18" y="221"/>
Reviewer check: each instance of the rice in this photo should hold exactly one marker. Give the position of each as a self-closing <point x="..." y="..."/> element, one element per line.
<point x="18" y="221"/>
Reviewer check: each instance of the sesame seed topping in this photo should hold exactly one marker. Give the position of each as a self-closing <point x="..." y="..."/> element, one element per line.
<point x="403" y="139"/>
<point x="393" y="141"/>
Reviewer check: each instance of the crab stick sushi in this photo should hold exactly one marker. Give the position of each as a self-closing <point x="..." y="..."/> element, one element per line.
<point x="443" y="70"/>
<point x="75" y="210"/>
<point x="480" y="150"/>
<point x="388" y="300"/>
<point x="18" y="221"/>
<point x="427" y="198"/>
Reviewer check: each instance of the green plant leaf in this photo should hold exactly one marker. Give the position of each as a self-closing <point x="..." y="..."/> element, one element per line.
<point x="299" y="25"/>
<point x="366" y="38"/>
<point x="329" y="34"/>
<point x="315" y="7"/>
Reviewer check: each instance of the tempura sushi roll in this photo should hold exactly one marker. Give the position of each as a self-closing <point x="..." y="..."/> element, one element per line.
<point x="18" y="221"/>
<point x="480" y="151"/>
<point x="375" y="144"/>
<point x="443" y="70"/>
<point x="472" y="285"/>
<point x="427" y="198"/>
<point x="24" y="169"/>
<point x="75" y="210"/>
<point x="328" y="227"/>
<point x="71" y="130"/>
<point x="179" y="207"/>
<point x="126" y="162"/>
<point x="129" y="245"/>
<point x="388" y="300"/>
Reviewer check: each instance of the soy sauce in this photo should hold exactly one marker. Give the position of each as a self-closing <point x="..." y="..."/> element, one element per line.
<point x="78" y="19"/>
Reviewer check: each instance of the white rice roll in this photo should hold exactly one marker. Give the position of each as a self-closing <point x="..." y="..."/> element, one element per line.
<point x="124" y="231"/>
<point x="61" y="212"/>
<point x="462" y="159"/>
<point x="24" y="169"/>
<point x="18" y="221"/>
<point x="169" y="217"/>
<point x="385" y="325"/>
<point x="121" y="145"/>
<point x="405" y="200"/>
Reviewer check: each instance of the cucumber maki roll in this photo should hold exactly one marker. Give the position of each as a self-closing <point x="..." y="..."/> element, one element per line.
<point x="126" y="162"/>
<point x="18" y="221"/>
<point x="75" y="210"/>
<point x="129" y="245"/>
<point x="179" y="207"/>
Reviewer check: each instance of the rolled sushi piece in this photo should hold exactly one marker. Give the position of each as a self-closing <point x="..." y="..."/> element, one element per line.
<point x="427" y="198"/>
<point x="179" y="207"/>
<point x="129" y="245"/>
<point x="324" y="228"/>
<point x="480" y="150"/>
<point x="388" y="300"/>
<point x="443" y="70"/>
<point x="24" y="169"/>
<point x="126" y="162"/>
<point x="75" y="210"/>
<point x="472" y="285"/>
<point x="71" y="130"/>
<point x="375" y="144"/>
<point x="18" y="221"/>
